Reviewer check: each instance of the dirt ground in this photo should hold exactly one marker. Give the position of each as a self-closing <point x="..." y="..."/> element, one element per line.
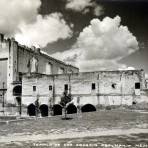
<point x="106" y="128"/>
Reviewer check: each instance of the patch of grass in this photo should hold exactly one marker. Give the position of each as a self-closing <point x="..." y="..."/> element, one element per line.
<point x="109" y="119"/>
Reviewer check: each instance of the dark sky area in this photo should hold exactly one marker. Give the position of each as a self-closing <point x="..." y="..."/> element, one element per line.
<point x="134" y="14"/>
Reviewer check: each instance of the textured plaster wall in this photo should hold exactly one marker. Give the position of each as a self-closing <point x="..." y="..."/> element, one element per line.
<point x="80" y="86"/>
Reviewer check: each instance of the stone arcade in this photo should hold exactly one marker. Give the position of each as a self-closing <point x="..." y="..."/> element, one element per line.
<point x="88" y="89"/>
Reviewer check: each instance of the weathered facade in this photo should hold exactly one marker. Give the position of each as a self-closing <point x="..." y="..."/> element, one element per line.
<point x="88" y="88"/>
<point x="16" y="60"/>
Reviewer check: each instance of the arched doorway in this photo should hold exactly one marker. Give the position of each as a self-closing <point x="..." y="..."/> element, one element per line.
<point x="17" y="90"/>
<point x="44" y="110"/>
<point x="88" y="108"/>
<point x="71" y="109"/>
<point x="31" y="110"/>
<point x="57" y="109"/>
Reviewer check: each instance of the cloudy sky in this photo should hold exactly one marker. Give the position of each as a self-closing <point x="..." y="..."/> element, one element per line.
<point x="91" y="34"/>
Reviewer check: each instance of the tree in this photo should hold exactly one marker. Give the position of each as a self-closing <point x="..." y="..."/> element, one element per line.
<point x="37" y="106"/>
<point x="65" y="99"/>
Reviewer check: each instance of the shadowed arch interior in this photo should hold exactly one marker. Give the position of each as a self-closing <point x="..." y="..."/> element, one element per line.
<point x="57" y="109"/>
<point x="88" y="108"/>
<point x="71" y="109"/>
<point x="17" y="90"/>
<point x="31" y="110"/>
<point x="44" y="110"/>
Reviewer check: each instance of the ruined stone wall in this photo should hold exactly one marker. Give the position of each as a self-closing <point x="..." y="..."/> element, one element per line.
<point x="24" y="62"/>
<point x="116" y="88"/>
<point x="20" y="58"/>
<point x="106" y="87"/>
<point x="4" y="62"/>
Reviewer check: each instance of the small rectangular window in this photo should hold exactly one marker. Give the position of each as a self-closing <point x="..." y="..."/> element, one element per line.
<point x="137" y="85"/>
<point x="66" y="87"/>
<point x="93" y="86"/>
<point x="50" y="87"/>
<point x="34" y="88"/>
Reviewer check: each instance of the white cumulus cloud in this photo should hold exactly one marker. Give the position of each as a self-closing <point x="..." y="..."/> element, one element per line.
<point x="84" y="6"/>
<point x="20" y="19"/>
<point x="101" y="45"/>
<point x="126" y="68"/>
<point x="14" y="12"/>
<point x="106" y="39"/>
<point x="45" y="30"/>
<point x="78" y="5"/>
<point x="146" y="76"/>
<point x="98" y="10"/>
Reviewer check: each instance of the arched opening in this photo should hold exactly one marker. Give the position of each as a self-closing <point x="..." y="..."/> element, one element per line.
<point x="88" y="108"/>
<point x="17" y="90"/>
<point x="71" y="109"/>
<point x="44" y="110"/>
<point x="57" y="109"/>
<point x="31" y="110"/>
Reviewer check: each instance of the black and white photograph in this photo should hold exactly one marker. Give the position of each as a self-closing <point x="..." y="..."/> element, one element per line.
<point x="73" y="73"/>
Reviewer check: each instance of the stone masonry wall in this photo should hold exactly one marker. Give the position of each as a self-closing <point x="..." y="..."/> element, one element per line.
<point x="111" y="87"/>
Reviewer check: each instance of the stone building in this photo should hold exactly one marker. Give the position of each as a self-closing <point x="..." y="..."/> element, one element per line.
<point x="16" y="60"/>
<point x="88" y="89"/>
<point x="29" y="73"/>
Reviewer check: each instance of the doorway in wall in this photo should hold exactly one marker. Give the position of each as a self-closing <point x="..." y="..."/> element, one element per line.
<point x="17" y="90"/>
<point x="57" y="109"/>
<point x="31" y="110"/>
<point x="44" y="110"/>
<point x="88" y="108"/>
<point x="71" y="109"/>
